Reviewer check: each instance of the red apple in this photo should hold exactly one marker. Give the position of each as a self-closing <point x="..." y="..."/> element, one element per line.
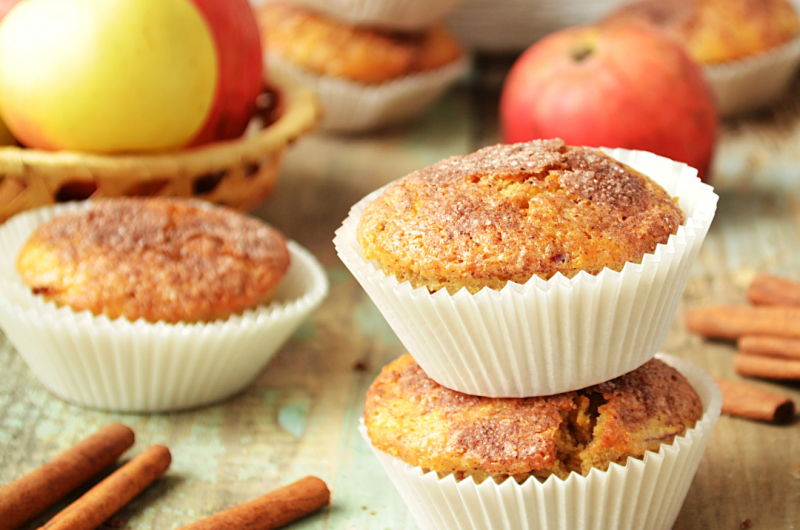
<point x="235" y="32"/>
<point x="128" y="75"/>
<point x="613" y="86"/>
<point x="5" y="5"/>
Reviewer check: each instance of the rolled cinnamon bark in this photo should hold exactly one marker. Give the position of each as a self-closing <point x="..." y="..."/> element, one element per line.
<point x="117" y="490"/>
<point x="739" y="399"/>
<point x="770" y="346"/>
<point x="766" y="367"/>
<point x="29" y="496"/>
<point x="772" y="290"/>
<point x="732" y="322"/>
<point x="272" y="510"/>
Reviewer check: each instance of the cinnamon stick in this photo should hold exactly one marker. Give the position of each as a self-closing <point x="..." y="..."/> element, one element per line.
<point x="766" y="367"/>
<point x="29" y="496"/>
<point x="732" y="322"/>
<point x="772" y="290"/>
<point x="770" y="346"/>
<point x="105" y="499"/>
<point x="739" y="399"/>
<point x="272" y="510"/>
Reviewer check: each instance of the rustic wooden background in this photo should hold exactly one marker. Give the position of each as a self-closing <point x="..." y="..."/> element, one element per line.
<point x="300" y="416"/>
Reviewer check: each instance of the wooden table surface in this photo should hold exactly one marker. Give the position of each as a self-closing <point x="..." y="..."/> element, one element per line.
<point x="300" y="416"/>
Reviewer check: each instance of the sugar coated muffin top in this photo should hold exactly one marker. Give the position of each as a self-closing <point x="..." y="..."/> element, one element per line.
<point x="411" y="417"/>
<point x="509" y="212"/>
<point x="157" y="259"/>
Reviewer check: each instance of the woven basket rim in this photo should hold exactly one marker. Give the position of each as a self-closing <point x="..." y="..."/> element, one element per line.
<point x="300" y="113"/>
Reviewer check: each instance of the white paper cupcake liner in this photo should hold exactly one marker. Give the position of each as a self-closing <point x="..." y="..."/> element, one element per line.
<point x="141" y="366"/>
<point x="404" y="15"/>
<point x="545" y="337"/>
<point x="643" y="494"/>
<point x="348" y="106"/>
<point x="513" y="25"/>
<point x="755" y="81"/>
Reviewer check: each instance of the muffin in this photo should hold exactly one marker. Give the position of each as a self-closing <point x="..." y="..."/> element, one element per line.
<point x="150" y="364"/>
<point x="718" y="31"/>
<point x="749" y="48"/>
<point x="413" y="418"/>
<point x="157" y="259"/>
<point x="579" y="313"/>
<point x="365" y="77"/>
<point x="510" y="212"/>
<point x="618" y="455"/>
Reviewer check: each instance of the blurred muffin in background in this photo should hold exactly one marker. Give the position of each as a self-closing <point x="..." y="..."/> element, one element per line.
<point x="717" y="31"/>
<point x="749" y="48"/>
<point x="365" y="77"/>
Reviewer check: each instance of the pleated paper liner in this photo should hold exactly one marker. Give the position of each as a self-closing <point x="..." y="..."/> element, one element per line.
<point x="545" y="337"/>
<point x="755" y="81"/>
<point x="403" y="15"/>
<point x="116" y="364"/>
<point x="644" y="494"/>
<point x="348" y="106"/>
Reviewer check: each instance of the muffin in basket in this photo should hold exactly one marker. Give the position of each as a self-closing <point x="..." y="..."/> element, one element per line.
<point x="364" y="77"/>
<point x="750" y="48"/>
<point x="562" y="461"/>
<point x="150" y="304"/>
<point x="530" y="269"/>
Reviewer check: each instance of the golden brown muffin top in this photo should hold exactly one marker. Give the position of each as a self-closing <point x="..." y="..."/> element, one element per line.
<point x="716" y="31"/>
<point x="365" y="55"/>
<point x="508" y="212"/>
<point x="413" y="418"/>
<point x="157" y="259"/>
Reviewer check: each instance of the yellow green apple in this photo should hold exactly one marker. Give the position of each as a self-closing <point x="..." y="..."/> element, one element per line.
<point x="113" y="75"/>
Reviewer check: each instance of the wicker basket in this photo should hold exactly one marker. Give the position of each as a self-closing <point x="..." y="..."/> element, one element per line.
<point x="238" y="173"/>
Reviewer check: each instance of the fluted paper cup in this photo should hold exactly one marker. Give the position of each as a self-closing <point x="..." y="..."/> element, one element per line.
<point x="514" y="25"/>
<point x="644" y="494"/>
<point x="405" y="15"/>
<point x="116" y="364"/>
<point x="348" y="106"/>
<point x="753" y="82"/>
<point x="546" y="336"/>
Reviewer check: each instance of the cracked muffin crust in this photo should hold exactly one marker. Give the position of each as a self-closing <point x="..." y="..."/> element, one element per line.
<point x="157" y="259"/>
<point x="509" y="212"/>
<point x="411" y="417"/>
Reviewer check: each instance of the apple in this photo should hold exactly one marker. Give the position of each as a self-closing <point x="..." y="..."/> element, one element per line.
<point x="614" y="86"/>
<point x="6" y="5"/>
<point x="128" y="75"/>
<point x="240" y="80"/>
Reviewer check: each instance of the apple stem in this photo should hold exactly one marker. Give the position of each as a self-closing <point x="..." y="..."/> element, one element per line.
<point x="582" y="51"/>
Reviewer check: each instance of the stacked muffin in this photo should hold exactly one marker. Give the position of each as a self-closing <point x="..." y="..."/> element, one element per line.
<point x="534" y="283"/>
<point x="372" y="63"/>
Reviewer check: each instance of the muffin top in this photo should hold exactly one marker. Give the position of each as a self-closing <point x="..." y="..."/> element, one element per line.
<point x="716" y="31"/>
<point x="365" y="55"/>
<point x="509" y="212"/>
<point x="411" y="417"/>
<point x="157" y="259"/>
